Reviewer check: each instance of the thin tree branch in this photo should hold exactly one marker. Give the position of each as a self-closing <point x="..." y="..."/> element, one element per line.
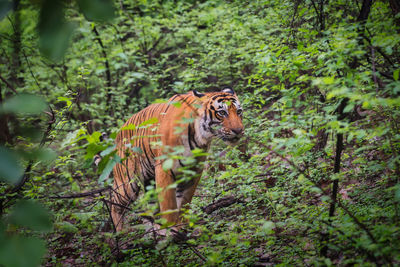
<point x="8" y="85"/>
<point x="107" y="65"/>
<point x="374" y="70"/>
<point x="83" y="194"/>
<point x="220" y="203"/>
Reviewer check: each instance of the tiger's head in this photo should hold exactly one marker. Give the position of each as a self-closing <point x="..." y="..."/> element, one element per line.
<point x="221" y="116"/>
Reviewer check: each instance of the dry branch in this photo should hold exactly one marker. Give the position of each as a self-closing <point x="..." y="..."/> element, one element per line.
<point x="8" y="85"/>
<point x="83" y="194"/>
<point x="107" y="66"/>
<point x="220" y="203"/>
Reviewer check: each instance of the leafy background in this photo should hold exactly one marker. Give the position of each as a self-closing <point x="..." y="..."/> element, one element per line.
<point x="315" y="181"/>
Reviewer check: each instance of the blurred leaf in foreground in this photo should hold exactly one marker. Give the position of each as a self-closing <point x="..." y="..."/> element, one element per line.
<point x="54" y="31"/>
<point x="18" y="251"/>
<point x="97" y="10"/>
<point x="11" y="170"/>
<point x="45" y="155"/>
<point x="27" y="213"/>
<point x="24" y="104"/>
<point x="112" y="161"/>
<point x="5" y="7"/>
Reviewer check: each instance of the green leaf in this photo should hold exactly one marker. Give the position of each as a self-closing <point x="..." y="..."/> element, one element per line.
<point x="11" y="170"/>
<point x="54" y="31"/>
<point x="97" y="10"/>
<point x="65" y="99"/>
<point x="397" y="193"/>
<point x="268" y="227"/>
<point x="30" y="214"/>
<point x="137" y="150"/>
<point x="108" y="150"/>
<point x="45" y="155"/>
<point x="109" y="167"/>
<point x="315" y="189"/>
<point x="24" y="104"/>
<point x="19" y="251"/>
<point x="187" y="120"/>
<point x="92" y="150"/>
<point x="328" y="80"/>
<point x="176" y="104"/>
<point x="84" y="217"/>
<point x="5" y="7"/>
<point x="160" y="101"/>
<point x="54" y="44"/>
<point x="167" y="164"/>
<point x="396" y="74"/>
<point x="129" y="127"/>
<point x="148" y="122"/>
<point x="198" y="152"/>
<point x="94" y="137"/>
<point x="66" y="227"/>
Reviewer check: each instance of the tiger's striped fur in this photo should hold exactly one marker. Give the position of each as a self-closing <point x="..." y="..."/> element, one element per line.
<point x="199" y="117"/>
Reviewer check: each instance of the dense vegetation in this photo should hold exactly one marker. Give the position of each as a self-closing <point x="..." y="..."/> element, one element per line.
<point x="315" y="180"/>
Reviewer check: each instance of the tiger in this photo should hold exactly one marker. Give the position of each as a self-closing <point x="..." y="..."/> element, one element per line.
<point x="190" y="120"/>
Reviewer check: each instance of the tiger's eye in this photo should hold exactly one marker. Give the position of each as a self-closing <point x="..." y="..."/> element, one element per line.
<point x="239" y="112"/>
<point x="222" y="113"/>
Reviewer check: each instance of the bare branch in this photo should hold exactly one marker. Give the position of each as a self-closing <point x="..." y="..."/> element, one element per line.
<point x="8" y="85"/>
<point x="220" y="203"/>
<point x="83" y="194"/>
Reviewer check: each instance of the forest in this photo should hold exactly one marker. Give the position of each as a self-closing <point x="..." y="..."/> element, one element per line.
<point x="314" y="181"/>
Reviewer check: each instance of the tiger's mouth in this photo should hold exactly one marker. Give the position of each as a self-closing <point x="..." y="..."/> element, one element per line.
<point x="229" y="136"/>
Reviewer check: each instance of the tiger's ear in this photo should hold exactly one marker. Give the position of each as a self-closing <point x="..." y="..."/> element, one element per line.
<point x="197" y="94"/>
<point x="229" y="91"/>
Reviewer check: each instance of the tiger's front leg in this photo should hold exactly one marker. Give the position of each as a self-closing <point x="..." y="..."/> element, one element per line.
<point x="167" y="196"/>
<point x="185" y="192"/>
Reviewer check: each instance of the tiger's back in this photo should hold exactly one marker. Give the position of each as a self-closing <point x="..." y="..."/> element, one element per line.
<point x="140" y="162"/>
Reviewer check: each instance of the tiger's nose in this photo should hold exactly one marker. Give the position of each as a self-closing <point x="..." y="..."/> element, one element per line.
<point x="238" y="131"/>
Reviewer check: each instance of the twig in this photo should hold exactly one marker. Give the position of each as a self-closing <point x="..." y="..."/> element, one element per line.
<point x="30" y="70"/>
<point x="103" y="51"/>
<point x="109" y="212"/>
<point x="220" y="203"/>
<point x="374" y="69"/>
<point x="118" y="204"/>
<point x="49" y="126"/>
<point x="338" y="154"/>
<point x="196" y="251"/>
<point x="107" y="65"/>
<point x="9" y="85"/>
<point x="83" y="194"/>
